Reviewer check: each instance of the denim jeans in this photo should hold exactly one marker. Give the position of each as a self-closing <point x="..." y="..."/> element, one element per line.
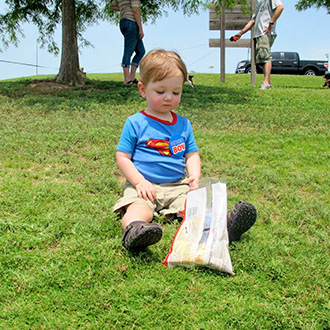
<point x="132" y="43"/>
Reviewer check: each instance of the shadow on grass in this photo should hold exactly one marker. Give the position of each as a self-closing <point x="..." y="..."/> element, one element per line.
<point x="146" y="256"/>
<point x="55" y="96"/>
<point x="301" y="87"/>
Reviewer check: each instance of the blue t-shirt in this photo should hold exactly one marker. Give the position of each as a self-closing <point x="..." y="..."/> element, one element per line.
<point x="158" y="147"/>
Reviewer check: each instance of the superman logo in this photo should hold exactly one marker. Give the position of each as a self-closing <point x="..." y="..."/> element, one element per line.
<point x="162" y="146"/>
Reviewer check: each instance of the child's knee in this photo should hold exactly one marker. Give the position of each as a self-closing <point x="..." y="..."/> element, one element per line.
<point x="138" y="211"/>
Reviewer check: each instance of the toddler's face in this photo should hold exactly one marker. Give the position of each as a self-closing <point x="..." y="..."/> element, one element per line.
<point x="164" y="95"/>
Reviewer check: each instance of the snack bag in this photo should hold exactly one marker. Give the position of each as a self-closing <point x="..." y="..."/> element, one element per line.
<point x="202" y="238"/>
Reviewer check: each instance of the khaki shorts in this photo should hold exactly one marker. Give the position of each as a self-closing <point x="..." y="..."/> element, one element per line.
<point x="263" y="46"/>
<point x="170" y="199"/>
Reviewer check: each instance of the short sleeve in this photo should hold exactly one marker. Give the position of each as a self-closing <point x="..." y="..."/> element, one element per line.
<point x="276" y="3"/>
<point x="128" y="138"/>
<point x="135" y="3"/>
<point x="191" y="145"/>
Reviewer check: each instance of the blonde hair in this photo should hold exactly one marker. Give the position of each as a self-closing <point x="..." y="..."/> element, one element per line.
<point x="160" y="64"/>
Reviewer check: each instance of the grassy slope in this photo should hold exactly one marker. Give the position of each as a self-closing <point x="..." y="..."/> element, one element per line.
<point x="62" y="265"/>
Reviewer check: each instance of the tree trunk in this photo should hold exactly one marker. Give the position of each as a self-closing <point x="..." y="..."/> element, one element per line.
<point x="69" y="70"/>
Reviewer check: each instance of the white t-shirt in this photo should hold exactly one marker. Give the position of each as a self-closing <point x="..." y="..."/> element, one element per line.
<point x="264" y="12"/>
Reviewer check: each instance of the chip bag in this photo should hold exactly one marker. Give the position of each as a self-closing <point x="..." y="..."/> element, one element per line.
<point x="202" y="238"/>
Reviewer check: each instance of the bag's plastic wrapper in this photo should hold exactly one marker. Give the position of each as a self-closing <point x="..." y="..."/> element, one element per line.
<point x="202" y="238"/>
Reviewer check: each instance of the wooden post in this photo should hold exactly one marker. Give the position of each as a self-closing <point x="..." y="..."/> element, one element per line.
<point x="232" y="20"/>
<point x="222" y="47"/>
<point x="253" y="60"/>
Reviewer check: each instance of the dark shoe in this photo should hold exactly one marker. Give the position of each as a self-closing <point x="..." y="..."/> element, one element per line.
<point x="132" y="82"/>
<point x="138" y="235"/>
<point x="240" y="220"/>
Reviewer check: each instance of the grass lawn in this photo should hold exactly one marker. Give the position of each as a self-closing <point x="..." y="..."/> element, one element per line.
<point x="62" y="264"/>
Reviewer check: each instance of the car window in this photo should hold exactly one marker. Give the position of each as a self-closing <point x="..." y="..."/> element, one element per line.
<point x="276" y="55"/>
<point x="289" y="56"/>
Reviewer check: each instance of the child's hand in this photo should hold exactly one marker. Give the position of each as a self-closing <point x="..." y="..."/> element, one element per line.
<point x="146" y="190"/>
<point x="193" y="182"/>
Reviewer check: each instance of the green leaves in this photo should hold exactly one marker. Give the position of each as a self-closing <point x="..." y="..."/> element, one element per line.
<point x="306" y="4"/>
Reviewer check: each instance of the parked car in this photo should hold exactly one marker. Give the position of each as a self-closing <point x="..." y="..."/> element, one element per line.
<point x="288" y="63"/>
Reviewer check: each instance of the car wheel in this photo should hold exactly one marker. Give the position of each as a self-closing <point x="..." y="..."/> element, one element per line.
<point x="310" y="72"/>
<point x="248" y="70"/>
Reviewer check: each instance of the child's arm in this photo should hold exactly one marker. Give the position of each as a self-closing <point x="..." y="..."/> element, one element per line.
<point x="193" y="162"/>
<point x="144" y="188"/>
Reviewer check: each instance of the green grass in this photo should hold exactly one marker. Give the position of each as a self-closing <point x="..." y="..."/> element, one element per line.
<point x="62" y="265"/>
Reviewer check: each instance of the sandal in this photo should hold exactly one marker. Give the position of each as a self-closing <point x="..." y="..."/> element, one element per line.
<point x="132" y="82"/>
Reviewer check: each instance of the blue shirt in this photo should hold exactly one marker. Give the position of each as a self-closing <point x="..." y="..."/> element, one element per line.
<point x="158" y="147"/>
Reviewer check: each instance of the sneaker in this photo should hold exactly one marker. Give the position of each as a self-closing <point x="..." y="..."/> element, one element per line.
<point x="138" y="235"/>
<point x="265" y="86"/>
<point x="240" y="220"/>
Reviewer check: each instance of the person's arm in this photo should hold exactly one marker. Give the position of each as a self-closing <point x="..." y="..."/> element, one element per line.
<point x="144" y="188"/>
<point x="114" y="6"/>
<point x="137" y="17"/>
<point x="277" y="14"/>
<point x="193" y="162"/>
<point x="246" y="28"/>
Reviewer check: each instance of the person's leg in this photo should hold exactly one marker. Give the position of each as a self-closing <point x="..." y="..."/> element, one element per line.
<point x="139" y="53"/>
<point x="129" y="30"/>
<point x="264" y="57"/>
<point x="268" y="65"/>
<point x="267" y="71"/>
<point x="126" y="75"/>
<point x="139" y="233"/>
<point x="132" y="73"/>
<point x="137" y="211"/>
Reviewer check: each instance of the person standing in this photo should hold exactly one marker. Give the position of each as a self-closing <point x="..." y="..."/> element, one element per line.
<point x="264" y="18"/>
<point x="132" y="30"/>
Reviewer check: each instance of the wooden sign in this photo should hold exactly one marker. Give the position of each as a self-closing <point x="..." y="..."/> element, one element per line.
<point x="234" y="20"/>
<point x="244" y="43"/>
<point x="231" y="20"/>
